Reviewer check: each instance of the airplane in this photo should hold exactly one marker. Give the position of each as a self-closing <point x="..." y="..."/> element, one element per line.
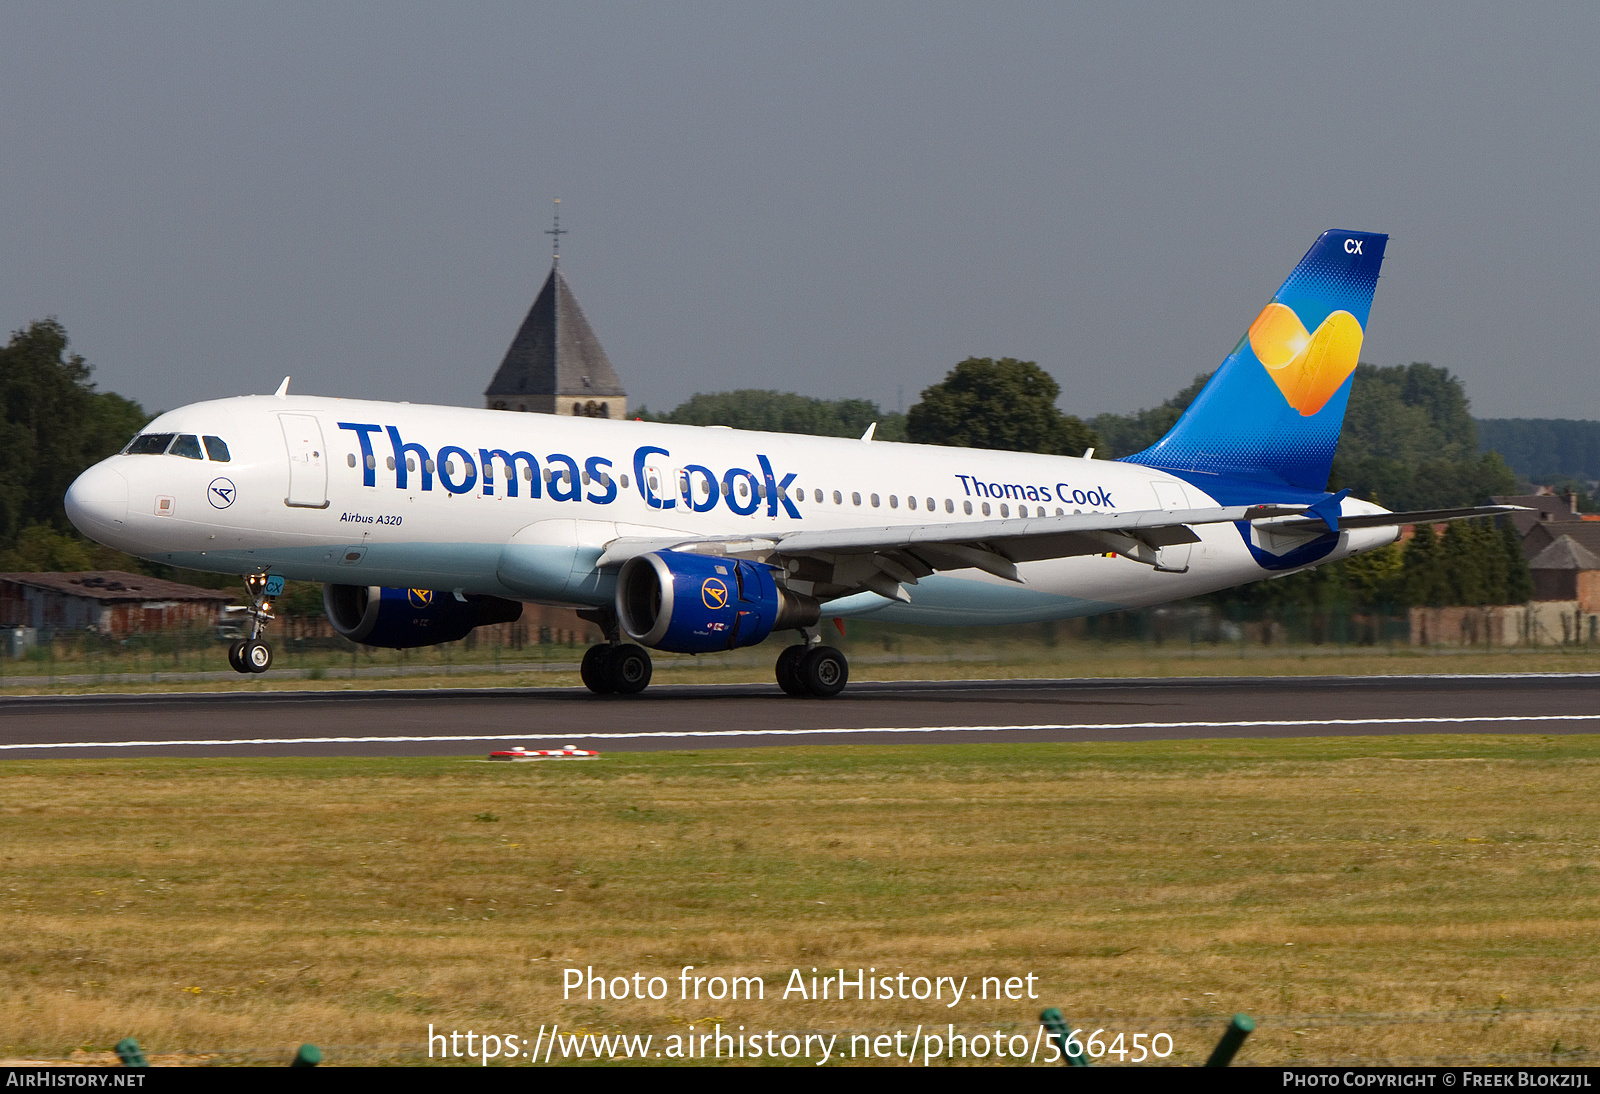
<point x="423" y="522"/>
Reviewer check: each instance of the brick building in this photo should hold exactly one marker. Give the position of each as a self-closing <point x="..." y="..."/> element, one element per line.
<point x="109" y="602"/>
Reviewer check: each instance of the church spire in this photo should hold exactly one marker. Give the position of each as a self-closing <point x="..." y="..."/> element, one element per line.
<point x="555" y="364"/>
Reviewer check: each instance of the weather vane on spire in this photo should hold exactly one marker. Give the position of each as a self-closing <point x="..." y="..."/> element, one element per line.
<point x="555" y="235"/>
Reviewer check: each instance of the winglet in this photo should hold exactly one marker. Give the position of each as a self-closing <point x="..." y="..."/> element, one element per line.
<point x="1327" y="510"/>
<point x="283" y="389"/>
<point x="871" y="429"/>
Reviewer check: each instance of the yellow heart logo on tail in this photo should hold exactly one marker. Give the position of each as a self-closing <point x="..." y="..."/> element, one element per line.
<point x="1308" y="368"/>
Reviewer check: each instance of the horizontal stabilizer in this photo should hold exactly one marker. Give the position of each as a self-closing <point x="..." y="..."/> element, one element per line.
<point x="1386" y="520"/>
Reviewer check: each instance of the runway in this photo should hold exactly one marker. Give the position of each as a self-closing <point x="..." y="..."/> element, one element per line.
<point x="475" y="722"/>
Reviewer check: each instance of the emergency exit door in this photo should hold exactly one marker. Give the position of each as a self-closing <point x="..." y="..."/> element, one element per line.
<point x="308" y="462"/>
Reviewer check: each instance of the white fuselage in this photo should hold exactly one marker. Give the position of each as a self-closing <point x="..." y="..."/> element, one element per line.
<point x="370" y="493"/>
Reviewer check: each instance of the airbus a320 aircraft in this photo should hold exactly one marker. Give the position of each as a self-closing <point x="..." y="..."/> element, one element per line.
<point x="423" y="522"/>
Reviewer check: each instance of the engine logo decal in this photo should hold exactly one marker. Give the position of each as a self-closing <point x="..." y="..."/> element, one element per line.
<point x="419" y="598"/>
<point x="714" y="593"/>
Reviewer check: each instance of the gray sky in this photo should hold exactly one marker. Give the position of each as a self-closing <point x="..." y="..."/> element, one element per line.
<point x="835" y="199"/>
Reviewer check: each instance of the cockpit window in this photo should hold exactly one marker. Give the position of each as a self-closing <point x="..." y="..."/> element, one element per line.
<point x="149" y="444"/>
<point x="218" y="448"/>
<point x="187" y="445"/>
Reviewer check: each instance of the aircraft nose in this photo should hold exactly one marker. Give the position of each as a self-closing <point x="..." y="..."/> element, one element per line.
<point x="97" y="501"/>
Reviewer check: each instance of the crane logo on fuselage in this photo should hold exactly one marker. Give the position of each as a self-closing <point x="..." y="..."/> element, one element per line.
<point x="221" y="493"/>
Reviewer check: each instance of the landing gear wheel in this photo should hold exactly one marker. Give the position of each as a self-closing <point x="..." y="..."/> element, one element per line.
<point x="593" y="669"/>
<point x="788" y="669"/>
<point x="628" y="669"/>
<point x="236" y="657"/>
<point x="257" y="656"/>
<point x="824" y="672"/>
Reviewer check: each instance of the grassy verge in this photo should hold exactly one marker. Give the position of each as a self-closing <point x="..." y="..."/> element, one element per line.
<point x="239" y="907"/>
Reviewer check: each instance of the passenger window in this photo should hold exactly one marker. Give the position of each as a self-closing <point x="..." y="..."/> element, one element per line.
<point x="911" y="503"/>
<point x="372" y="462"/>
<point x="624" y="482"/>
<point x="838" y="498"/>
<point x="350" y="459"/>
<point x="949" y="506"/>
<point x="818" y="495"/>
<point x="855" y="498"/>
<point x="874" y="501"/>
<point x="985" y="508"/>
<point x="1005" y="510"/>
<point x="931" y="506"/>
<point x="894" y="501"/>
<point x="188" y="446"/>
<point x="217" y="449"/>
<point x="967" y="505"/>
<point x="149" y="444"/>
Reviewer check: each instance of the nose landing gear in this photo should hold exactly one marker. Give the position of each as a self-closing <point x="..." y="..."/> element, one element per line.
<point x="252" y="654"/>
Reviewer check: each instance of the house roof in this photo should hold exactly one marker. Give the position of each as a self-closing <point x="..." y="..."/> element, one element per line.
<point x="1565" y="553"/>
<point x="114" y="585"/>
<point x="1586" y="533"/>
<point x="1547" y="509"/>
<point x="555" y="351"/>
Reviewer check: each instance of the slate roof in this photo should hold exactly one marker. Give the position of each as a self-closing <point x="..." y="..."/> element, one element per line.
<point x="115" y="585"/>
<point x="1548" y="509"/>
<point x="555" y="353"/>
<point x="1540" y="536"/>
<point x="1565" y="553"/>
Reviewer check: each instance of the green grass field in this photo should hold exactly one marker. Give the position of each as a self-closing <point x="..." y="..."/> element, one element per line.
<point x="876" y="654"/>
<point x="1365" y="899"/>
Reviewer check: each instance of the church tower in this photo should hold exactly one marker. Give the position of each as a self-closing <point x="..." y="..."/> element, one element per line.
<point x="555" y="364"/>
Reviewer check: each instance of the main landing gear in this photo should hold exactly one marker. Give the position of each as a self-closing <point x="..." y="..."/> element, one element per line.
<point x="810" y="668"/>
<point x="616" y="670"/>
<point x="252" y="654"/>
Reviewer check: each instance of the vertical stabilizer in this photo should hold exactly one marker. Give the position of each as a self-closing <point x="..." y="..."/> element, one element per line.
<point x="1272" y="412"/>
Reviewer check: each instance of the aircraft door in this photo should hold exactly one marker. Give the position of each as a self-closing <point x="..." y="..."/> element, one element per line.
<point x="308" y="461"/>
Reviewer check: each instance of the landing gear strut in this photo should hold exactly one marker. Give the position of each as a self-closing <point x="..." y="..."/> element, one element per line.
<point x="810" y="668"/>
<point x="252" y="654"/>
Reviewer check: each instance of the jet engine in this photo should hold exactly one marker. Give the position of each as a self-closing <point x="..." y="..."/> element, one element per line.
<point x="399" y="619"/>
<point x="688" y="603"/>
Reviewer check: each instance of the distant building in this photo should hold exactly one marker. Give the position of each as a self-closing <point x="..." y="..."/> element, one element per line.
<point x="555" y="364"/>
<point x="1553" y="517"/>
<point x="110" y="602"/>
<point x="1567" y="570"/>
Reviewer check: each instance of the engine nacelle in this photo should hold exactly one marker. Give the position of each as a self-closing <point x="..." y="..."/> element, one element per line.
<point x="687" y="603"/>
<point x="400" y="619"/>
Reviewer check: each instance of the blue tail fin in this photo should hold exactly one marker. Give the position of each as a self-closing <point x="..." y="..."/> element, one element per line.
<point x="1272" y="412"/>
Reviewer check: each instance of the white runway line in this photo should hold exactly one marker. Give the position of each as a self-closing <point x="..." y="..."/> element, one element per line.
<point x="1286" y="723"/>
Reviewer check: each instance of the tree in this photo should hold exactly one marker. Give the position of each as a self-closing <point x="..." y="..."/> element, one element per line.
<point x="53" y="424"/>
<point x="1519" y="579"/>
<point x="784" y="412"/>
<point x="1006" y="404"/>
<point x="1125" y="434"/>
<point x="1465" y="564"/>
<point x="1409" y="442"/>
<point x="1426" y="583"/>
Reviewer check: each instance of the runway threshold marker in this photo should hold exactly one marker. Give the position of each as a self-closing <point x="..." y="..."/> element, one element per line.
<point x="565" y="752"/>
